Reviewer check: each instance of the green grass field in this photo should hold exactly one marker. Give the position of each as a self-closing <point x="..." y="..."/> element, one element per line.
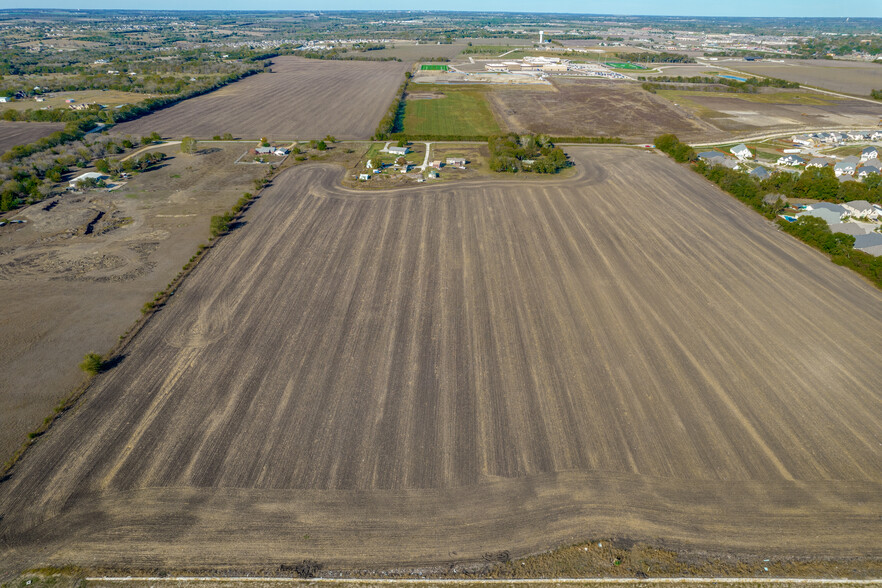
<point x="459" y="112"/>
<point x="433" y="68"/>
<point x="620" y="65"/>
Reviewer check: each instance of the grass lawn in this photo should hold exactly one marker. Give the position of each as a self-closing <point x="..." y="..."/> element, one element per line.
<point x="463" y="112"/>
<point x="433" y="68"/>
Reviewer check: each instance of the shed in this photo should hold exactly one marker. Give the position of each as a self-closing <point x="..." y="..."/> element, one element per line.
<point x="86" y="176"/>
<point x="364" y="176"/>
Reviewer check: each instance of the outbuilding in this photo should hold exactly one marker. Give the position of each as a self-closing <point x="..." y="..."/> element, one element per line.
<point x="86" y="176"/>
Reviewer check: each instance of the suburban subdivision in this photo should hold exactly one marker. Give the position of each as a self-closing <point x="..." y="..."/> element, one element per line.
<point x="439" y="295"/>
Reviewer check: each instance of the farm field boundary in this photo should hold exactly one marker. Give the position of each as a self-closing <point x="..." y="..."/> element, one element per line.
<point x="521" y="363"/>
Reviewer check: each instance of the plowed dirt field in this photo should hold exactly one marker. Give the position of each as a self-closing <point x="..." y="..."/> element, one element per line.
<point x="428" y="375"/>
<point x="22" y="133"/>
<point x="300" y="99"/>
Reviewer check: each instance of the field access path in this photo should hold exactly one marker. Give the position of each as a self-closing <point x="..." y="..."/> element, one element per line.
<point x="426" y="375"/>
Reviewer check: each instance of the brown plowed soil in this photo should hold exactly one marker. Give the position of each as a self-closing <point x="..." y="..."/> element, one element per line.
<point x="22" y="133"/>
<point x="300" y="99"/>
<point x="429" y="375"/>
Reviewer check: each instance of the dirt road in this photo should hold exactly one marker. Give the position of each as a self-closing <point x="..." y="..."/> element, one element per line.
<point x="427" y="375"/>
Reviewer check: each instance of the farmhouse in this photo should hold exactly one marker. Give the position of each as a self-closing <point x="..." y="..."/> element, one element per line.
<point x="791" y="159"/>
<point x="397" y="150"/>
<point x="86" y="176"/>
<point x="456" y="162"/>
<point x="741" y="151"/>
<point x="846" y="166"/>
<point x="264" y="150"/>
<point x="436" y="164"/>
<point x="869" y="153"/>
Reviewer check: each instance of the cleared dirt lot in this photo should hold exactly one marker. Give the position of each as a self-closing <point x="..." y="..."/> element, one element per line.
<point x="851" y="77"/>
<point x="300" y="99"/>
<point x="595" y="108"/>
<point x="75" y="276"/>
<point x="428" y="375"/>
<point x="776" y="111"/>
<point x="22" y="133"/>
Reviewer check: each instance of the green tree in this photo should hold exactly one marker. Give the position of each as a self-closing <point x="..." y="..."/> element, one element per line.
<point x="189" y="145"/>
<point x="92" y="364"/>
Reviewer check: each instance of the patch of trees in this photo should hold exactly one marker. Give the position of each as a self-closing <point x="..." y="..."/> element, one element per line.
<point x="671" y="145"/>
<point x="393" y="120"/>
<point x="654" y="57"/>
<point x="876" y="94"/>
<point x="531" y="153"/>
<point x="750" y="86"/>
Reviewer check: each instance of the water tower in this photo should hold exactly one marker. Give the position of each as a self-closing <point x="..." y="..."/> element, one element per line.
<point x="541" y="34"/>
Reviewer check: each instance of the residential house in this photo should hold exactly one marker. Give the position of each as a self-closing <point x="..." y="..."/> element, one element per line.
<point x="873" y="163"/>
<point x="264" y="150"/>
<point x="861" y="209"/>
<point x="741" y="151"/>
<point x="708" y="156"/>
<point x="364" y="176"/>
<point x="869" y="153"/>
<point x="857" y="136"/>
<point x="436" y="164"/>
<point x="866" y="170"/>
<point x="852" y="229"/>
<point x="759" y="173"/>
<point x="456" y="161"/>
<point x="870" y="240"/>
<point x="818" y="162"/>
<point x="281" y="151"/>
<point x="829" y="216"/>
<point x="873" y="250"/>
<point x="876" y="136"/>
<point x="846" y="166"/>
<point x="804" y="140"/>
<point x="398" y="150"/>
<point x="791" y="159"/>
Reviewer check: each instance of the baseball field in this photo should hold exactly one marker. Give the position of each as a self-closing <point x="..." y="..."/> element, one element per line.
<point x="428" y="375"/>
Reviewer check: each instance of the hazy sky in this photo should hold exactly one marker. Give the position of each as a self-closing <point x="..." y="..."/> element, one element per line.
<point x="832" y="8"/>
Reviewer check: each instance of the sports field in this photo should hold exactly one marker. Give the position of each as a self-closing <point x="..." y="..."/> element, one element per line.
<point x="440" y="110"/>
<point x="433" y="67"/>
<point x="433" y="374"/>
<point x="620" y="65"/>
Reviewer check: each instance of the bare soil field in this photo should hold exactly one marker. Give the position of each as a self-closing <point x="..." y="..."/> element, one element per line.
<point x="21" y="133"/>
<point x="300" y="99"/>
<point x="74" y="277"/>
<point x="426" y="376"/>
<point x="776" y="111"/>
<point x="850" y="77"/>
<point x="410" y="52"/>
<point x="595" y="108"/>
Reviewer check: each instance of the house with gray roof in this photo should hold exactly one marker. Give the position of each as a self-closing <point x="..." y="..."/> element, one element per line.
<point x="873" y="250"/>
<point x="846" y="178"/>
<point x="708" y="156"/>
<point x="791" y="159"/>
<point x="865" y="170"/>
<point x="861" y="209"/>
<point x="863" y="242"/>
<point x="829" y="216"/>
<point x="826" y="206"/>
<point x="857" y="136"/>
<point x="869" y="153"/>
<point x="759" y="173"/>
<point x="852" y="229"/>
<point x="846" y="166"/>
<point x="818" y="162"/>
<point x="741" y="151"/>
<point x="804" y="140"/>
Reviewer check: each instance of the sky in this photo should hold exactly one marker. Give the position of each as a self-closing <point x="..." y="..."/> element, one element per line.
<point x="780" y="8"/>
